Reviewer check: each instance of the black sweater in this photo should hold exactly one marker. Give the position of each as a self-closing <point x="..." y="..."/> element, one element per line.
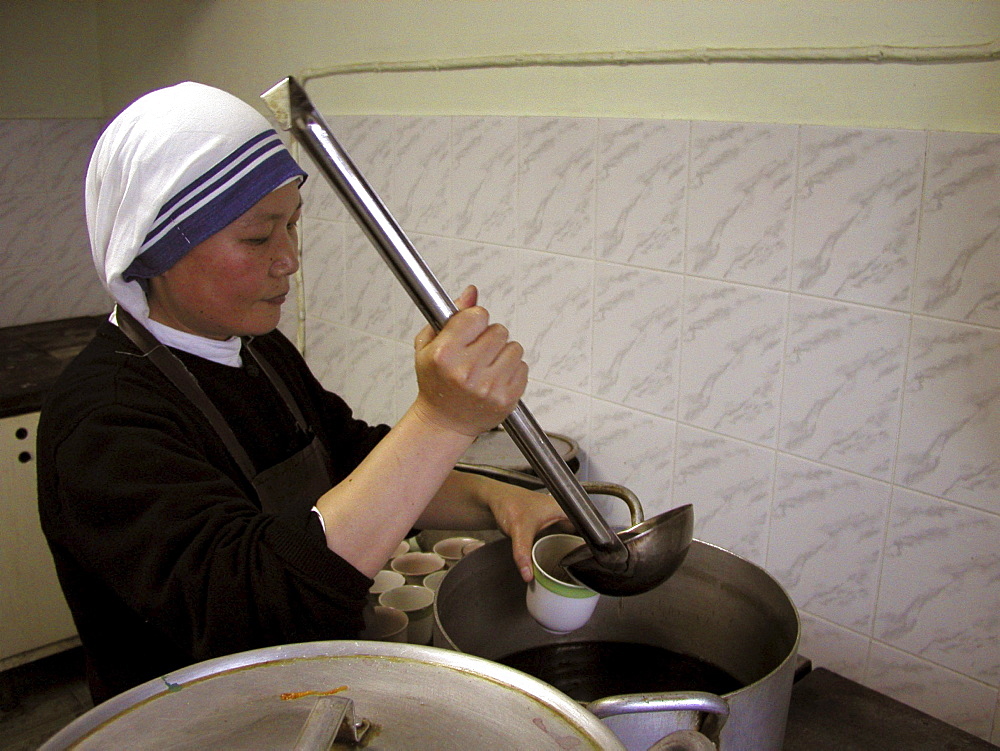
<point x="161" y="548"/>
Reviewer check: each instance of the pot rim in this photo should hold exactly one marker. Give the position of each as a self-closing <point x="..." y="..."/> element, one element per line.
<point x="793" y="651"/>
<point x="556" y="702"/>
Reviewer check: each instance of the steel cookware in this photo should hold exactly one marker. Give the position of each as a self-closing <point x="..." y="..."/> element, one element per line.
<point x="722" y="621"/>
<point x="371" y="695"/>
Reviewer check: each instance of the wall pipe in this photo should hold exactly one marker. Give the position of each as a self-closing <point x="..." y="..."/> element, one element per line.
<point x="968" y="53"/>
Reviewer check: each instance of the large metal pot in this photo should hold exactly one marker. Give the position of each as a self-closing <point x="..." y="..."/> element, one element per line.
<point x="373" y="695"/>
<point x="717" y="607"/>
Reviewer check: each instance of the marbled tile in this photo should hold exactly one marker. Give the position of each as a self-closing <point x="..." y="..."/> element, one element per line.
<point x="318" y="199"/>
<point x="636" y="338"/>
<point x="484" y="178"/>
<point x="361" y="369"/>
<point x="42" y="156"/>
<point x="633" y="449"/>
<point x="843" y="384"/>
<point x="641" y="192"/>
<point x="951" y="697"/>
<point x="742" y="180"/>
<point x="858" y="205"/>
<point x="421" y="175"/>
<point x="494" y="270"/>
<point x="940" y="593"/>
<point x="554" y="317"/>
<point x="560" y="411"/>
<point x="564" y="412"/>
<point x="21" y="154"/>
<point x="826" y="537"/>
<point x="948" y="443"/>
<point x="374" y="300"/>
<point x="958" y="258"/>
<point x="31" y="294"/>
<point x="322" y="269"/>
<point x="369" y="141"/>
<point x="729" y="483"/>
<point x="731" y="348"/>
<point x="66" y="146"/>
<point x="836" y="648"/>
<point x="556" y="184"/>
<point x="325" y="347"/>
<point x="48" y="230"/>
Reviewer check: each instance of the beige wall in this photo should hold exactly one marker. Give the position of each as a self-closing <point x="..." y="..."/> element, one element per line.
<point x="53" y="49"/>
<point x="49" y="60"/>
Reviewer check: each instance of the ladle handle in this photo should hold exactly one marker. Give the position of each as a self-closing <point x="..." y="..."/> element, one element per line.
<point x="398" y="252"/>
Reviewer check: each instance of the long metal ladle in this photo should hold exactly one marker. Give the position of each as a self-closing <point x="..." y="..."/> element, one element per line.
<point x="643" y="555"/>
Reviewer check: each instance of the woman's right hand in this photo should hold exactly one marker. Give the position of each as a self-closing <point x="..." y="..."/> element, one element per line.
<point x="470" y="374"/>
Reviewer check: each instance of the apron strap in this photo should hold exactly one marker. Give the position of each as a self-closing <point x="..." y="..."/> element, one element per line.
<point x="181" y="377"/>
<point x="278" y="384"/>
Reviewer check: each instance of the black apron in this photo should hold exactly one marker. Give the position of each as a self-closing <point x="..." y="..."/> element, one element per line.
<point x="289" y="488"/>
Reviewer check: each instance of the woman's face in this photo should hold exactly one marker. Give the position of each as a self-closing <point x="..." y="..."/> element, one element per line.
<point x="233" y="283"/>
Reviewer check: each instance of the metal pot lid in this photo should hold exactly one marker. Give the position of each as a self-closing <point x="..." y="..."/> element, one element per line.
<point x="495" y="448"/>
<point x="410" y="696"/>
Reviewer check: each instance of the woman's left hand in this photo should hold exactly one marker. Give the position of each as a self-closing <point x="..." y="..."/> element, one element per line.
<point x="521" y="514"/>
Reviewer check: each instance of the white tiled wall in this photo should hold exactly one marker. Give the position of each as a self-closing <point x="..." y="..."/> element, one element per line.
<point x="796" y="329"/>
<point x="46" y="272"/>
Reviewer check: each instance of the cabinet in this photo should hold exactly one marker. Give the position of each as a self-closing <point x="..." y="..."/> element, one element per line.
<point x="34" y="618"/>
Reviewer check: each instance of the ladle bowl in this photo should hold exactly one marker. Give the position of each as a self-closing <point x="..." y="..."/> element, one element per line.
<point x="656" y="548"/>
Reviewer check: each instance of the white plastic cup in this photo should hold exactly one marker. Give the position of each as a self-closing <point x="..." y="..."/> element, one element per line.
<point x="418" y="604"/>
<point x="451" y="549"/>
<point x="555" y="599"/>
<point x="403" y="547"/>
<point x="433" y="581"/>
<point x="415" y="566"/>
<point x="384" y="581"/>
<point x="471" y="546"/>
<point x="383" y="623"/>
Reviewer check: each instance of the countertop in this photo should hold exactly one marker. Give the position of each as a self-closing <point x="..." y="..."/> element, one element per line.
<point x="32" y="357"/>
<point x="831" y="713"/>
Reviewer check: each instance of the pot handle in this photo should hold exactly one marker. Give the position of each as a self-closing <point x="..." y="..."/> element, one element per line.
<point x="715" y="708"/>
<point x="532" y="482"/>
<point x="331" y="719"/>
<point x="684" y="740"/>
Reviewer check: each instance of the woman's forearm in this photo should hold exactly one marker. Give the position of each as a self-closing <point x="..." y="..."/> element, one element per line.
<point x="461" y="503"/>
<point x="370" y="511"/>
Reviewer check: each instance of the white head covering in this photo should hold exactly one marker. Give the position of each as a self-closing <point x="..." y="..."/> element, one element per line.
<point x="170" y="171"/>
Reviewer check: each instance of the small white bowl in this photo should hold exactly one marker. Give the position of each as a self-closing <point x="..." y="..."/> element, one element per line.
<point x="385" y="624"/>
<point x="451" y="549"/>
<point x="418" y="604"/>
<point x="433" y="581"/>
<point x="415" y="566"/>
<point x="384" y="581"/>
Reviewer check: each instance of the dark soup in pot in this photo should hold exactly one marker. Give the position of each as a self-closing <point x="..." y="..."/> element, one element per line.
<point x="591" y="670"/>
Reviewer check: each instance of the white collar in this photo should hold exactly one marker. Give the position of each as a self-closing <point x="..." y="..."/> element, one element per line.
<point x="226" y="352"/>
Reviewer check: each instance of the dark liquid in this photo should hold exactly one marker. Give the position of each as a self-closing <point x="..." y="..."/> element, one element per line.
<point x="586" y="671"/>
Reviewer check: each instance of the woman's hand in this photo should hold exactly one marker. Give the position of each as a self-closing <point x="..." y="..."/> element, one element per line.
<point x="471" y="501"/>
<point x="521" y="514"/>
<point x="470" y="375"/>
<point x="470" y="378"/>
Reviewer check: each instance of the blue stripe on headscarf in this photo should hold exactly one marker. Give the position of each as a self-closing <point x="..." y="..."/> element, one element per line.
<point x="213" y="201"/>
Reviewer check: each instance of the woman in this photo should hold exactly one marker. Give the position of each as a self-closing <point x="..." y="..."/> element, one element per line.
<point x="201" y="493"/>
